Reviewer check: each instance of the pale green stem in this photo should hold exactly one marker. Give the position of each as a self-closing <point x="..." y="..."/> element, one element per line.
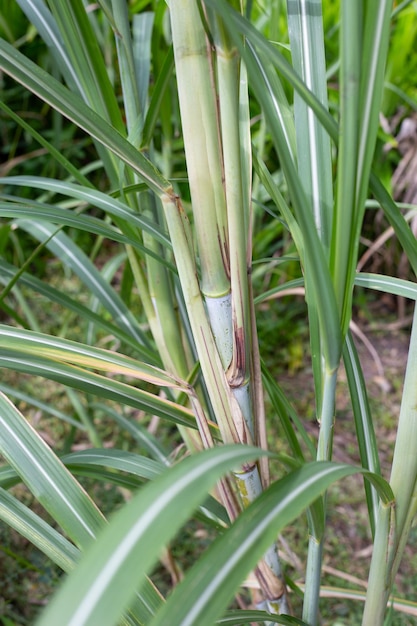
<point x="404" y="464"/>
<point x="324" y="453"/>
<point x="378" y="588"/>
<point x="312" y="581"/>
<point x="269" y="570"/>
<point x="236" y="159"/>
<point x="399" y="551"/>
<point x="201" y="143"/>
<point x="315" y="169"/>
<point x="191" y="438"/>
<point x="168" y="330"/>
<point x="389" y="546"/>
<point x="219" y="311"/>
<point x="243" y="397"/>
<point x="225" y="491"/>
<point x="261" y="439"/>
<point x="326" y="417"/>
<point x="228" y="79"/>
<point x="221" y="397"/>
<point x="249" y="485"/>
<point x="156" y="294"/>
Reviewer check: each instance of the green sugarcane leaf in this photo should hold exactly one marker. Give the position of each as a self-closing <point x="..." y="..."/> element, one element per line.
<point x="377" y="282"/>
<point x="60" y="494"/>
<point x="403" y="231"/>
<point x="121" y="460"/>
<point x="91" y="463"/>
<point x="45" y="24"/>
<point x="37" y="531"/>
<point x="241" y="618"/>
<point x="126" y="60"/>
<point x="387" y="284"/>
<point x="141" y="52"/>
<point x="107" y="477"/>
<point x="101" y="386"/>
<point x="8" y="477"/>
<point x="93" y="197"/>
<point x="72" y="256"/>
<point x="65" y="217"/>
<point x="161" y="85"/>
<point x="210" y="584"/>
<point x="239" y="26"/>
<point x="9" y="272"/>
<point x="319" y="286"/>
<point x="81" y="43"/>
<point x="38" y="81"/>
<point x="67" y="351"/>
<point x="305" y="24"/>
<point x="368" y="446"/>
<point x="136" y="535"/>
<point x="46" y="477"/>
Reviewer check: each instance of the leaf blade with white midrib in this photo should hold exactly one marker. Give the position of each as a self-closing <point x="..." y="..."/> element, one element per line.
<point x="93" y="197"/>
<point x="72" y="256"/>
<point x="210" y="584"/>
<point x="47" y="478"/>
<point x="37" y="531"/>
<point x="140" y="529"/>
<point x="72" y="106"/>
<point x="101" y="386"/>
<point x="64" y="217"/>
<point x="55" y="295"/>
<point x="77" y="353"/>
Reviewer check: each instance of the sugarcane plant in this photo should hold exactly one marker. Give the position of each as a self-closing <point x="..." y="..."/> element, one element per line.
<point x="178" y="340"/>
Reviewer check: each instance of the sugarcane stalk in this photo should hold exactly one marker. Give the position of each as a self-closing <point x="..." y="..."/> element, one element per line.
<point x="227" y="305"/>
<point x="201" y="143"/>
<point x="393" y="525"/>
<point x="219" y="392"/>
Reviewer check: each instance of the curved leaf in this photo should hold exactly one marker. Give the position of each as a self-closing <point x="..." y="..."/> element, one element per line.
<point x="64" y="217"/>
<point x="72" y="106"/>
<point x="99" y="385"/>
<point x="121" y="460"/>
<point x="241" y="618"/>
<point x="60" y="494"/>
<point x="387" y="284"/>
<point x="55" y="295"/>
<point x="72" y="256"/>
<point x="92" y="197"/>
<point x="67" y="351"/>
<point x="210" y="584"/>
<point x="117" y="563"/>
<point x="46" y="477"/>
<point x="37" y="531"/>
<point x="368" y="447"/>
